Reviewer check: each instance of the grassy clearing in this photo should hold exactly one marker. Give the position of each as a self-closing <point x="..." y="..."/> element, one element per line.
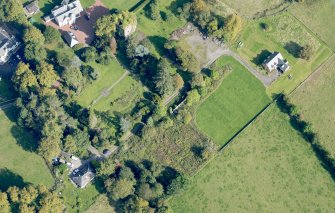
<point x="237" y="100"/>
<point x="120" y="4"/>
<point x="249" y="8"/>
<point x="268" y="168"/>
<point x="17" y="156"/>
<point x="286" y="35"/>
<point x="158" y="31"/>
<point x="316" y="99"/>
<point x="122" y="97"/>
<point x="319" y="16"/>
<point x="101" y="205"/>
<point x="107" y="75"/>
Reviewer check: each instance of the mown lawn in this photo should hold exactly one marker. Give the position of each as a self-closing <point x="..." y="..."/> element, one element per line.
<point x="268" y="168"/>
<point x="18" y="163"/>
<point x="107" y="76"/>
<point x="237" y="100"/>
<point x="120" y="4"/>
<point x="315" y="100"/>
<point x="285" y="35"/>
<point x="318" y="16"/>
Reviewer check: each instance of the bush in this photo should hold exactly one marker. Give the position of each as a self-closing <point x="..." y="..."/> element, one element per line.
<point x="89" y="54"/>
<point x="51" y="35"/>
<point x="306" y="52"/>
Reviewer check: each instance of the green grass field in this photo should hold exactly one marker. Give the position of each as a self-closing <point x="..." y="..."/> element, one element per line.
<point x="23" y="166"/>
<point x="315" y="100"/>
<point x="237" y="100"/>
<point x="286" y="34"/>
<point x="107" y="76"/>
<point x="120" y="4"/>
<point x="318" y="16"/>
<point x="249" y="8"/>
<point x="268" y="168"/>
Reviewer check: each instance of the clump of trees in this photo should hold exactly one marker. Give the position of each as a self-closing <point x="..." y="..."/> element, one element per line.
<point x="185" y="58"/>
<point x="34" y="45"/>
<point x="224" y="28"/>
<point x="153" y="10"/>
<point x="30" y="199"/>
<point x="143" y="186"/>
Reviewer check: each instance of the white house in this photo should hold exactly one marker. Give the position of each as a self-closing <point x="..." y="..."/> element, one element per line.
<point x="276" y="61"/>
<point x="66" y="13"/>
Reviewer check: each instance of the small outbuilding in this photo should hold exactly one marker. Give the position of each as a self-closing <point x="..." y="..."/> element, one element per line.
<point x="31" y="9"/>
<point x="70" y="39"/>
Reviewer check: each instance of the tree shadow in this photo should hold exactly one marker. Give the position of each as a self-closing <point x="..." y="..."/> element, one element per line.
<point x="293" y="48"/>
<point x="158" y="42"/>
<point x="9" y="178"/>
<point x="260" y="57"/>
<point x="49" y="5"/>
<point x="22" y="139"/>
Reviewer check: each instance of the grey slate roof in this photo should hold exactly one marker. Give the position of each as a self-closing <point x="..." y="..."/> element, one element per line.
<point x="85" y="175"/>
<point x="31" y="8"/>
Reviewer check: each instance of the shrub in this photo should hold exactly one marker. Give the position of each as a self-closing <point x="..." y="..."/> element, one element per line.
<point x="51" y="35"/>
<point x="306" y="52"/>
<point x="89" y="54"/>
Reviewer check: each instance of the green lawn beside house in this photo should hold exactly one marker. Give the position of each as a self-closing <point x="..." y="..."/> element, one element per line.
<point x="237" y="100"/>
<point x="286" y="35"/>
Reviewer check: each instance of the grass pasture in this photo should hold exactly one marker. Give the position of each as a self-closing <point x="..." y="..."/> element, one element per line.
<point x="250" y="8"/>
<point x="315" y="100"/>
<point x="237" y="100"/>
<point x="18" y="163"/>
<point x="285" y="35"/>
<point x="120" y="4"/>
<point x="268" y="168"/>
<point x="318" y="16"/>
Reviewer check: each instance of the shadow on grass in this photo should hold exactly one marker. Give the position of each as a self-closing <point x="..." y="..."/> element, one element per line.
<point x="49" y="5"/>
<point x="259" y="59"/>
<point x="305" y="130"/>
<point x="9" y="178"/>
<point x="22" y="137"/>
<point x="158" y="42"/>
